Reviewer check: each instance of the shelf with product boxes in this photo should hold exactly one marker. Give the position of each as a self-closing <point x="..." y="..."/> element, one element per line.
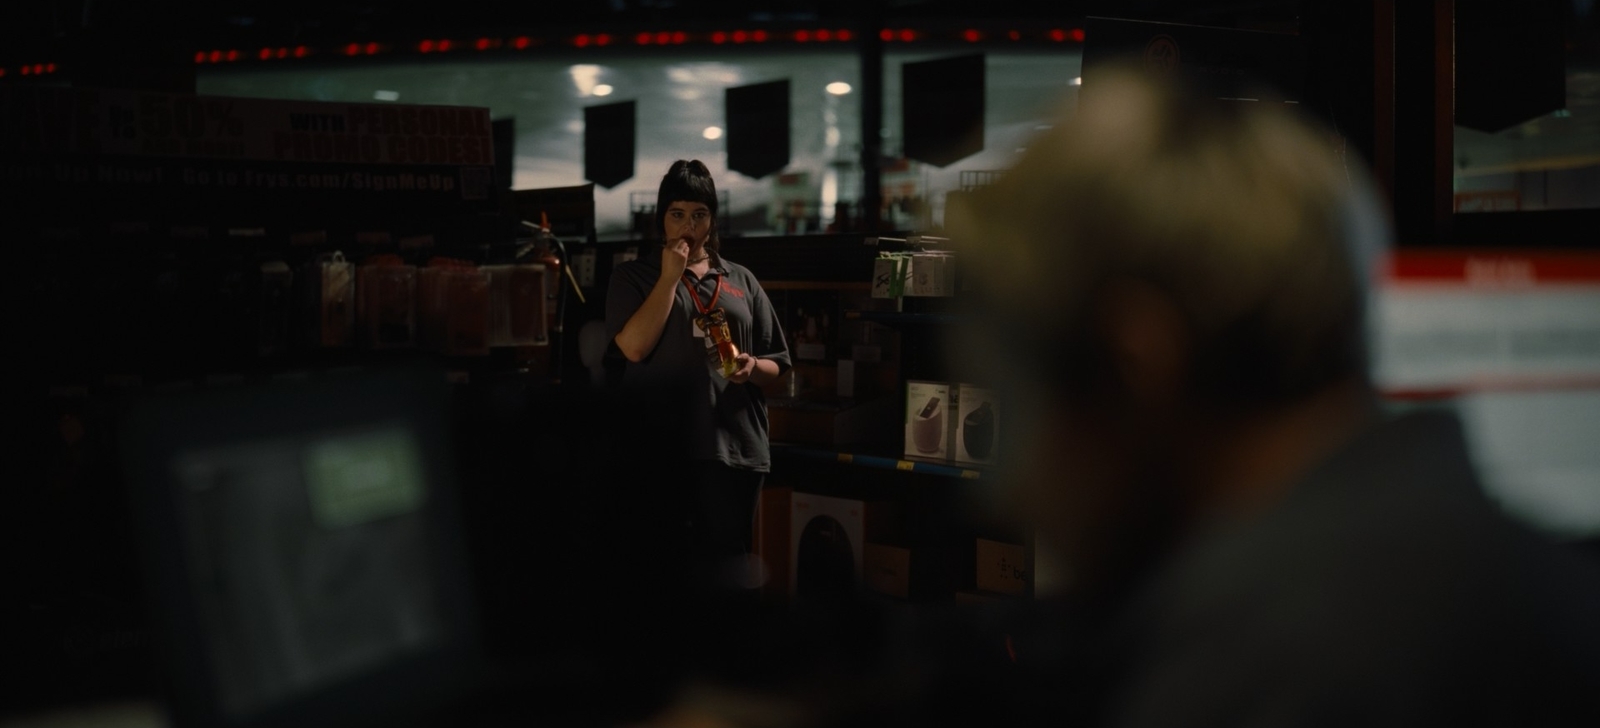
<point x="899" y="534"/>
<point x="236" y="253"/>
<point x="875" y="485"/>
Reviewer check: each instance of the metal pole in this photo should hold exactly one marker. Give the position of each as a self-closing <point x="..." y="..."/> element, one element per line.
<point x="871" y="116"/>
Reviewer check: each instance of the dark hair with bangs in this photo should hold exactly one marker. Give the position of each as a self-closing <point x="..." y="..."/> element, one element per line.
<point x="687" y="181"/>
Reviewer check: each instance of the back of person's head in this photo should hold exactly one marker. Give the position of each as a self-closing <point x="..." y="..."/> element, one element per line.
<point x="1242" y="214"/>
<point x="688" y="181"/>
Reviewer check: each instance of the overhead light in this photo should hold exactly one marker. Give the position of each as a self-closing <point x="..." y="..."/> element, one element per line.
<point x="712" y="132"/>
<point x="838" y="88"/>
<point x="602" y="89"/>
<point x="382" y="95"/>
<point x="1077" y="80"/>
<point x="585" y="76"/>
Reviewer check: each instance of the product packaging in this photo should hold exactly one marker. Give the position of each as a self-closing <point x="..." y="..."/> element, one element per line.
<point x="927" y="426"/>
<point x="977" y="425"/>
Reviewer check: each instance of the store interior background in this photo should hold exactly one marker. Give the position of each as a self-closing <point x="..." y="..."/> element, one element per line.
<point x="1536" y="446"/>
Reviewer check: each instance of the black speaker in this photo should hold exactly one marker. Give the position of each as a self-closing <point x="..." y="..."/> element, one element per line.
<point x="941" y="108"/>
<point x="758" y="128"/>
<point x="609" y="143"/>
<point x="1511" y="64"/>
<point x="825" y="561"/>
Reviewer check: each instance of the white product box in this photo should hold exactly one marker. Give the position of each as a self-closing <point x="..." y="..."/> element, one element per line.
<point x="884" y="270"/>
<point x="827" y="541"/>
<point x="977" y="423"/>
<point x="932" y="274"/>
<point x="928" y="423"/>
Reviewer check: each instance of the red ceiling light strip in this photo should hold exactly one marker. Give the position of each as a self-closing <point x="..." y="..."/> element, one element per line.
<point x="585" y="40"/>
<point x="282" y="52"/>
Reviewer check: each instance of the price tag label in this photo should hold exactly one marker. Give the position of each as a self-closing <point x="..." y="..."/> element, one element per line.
<point x="905" y="465"/>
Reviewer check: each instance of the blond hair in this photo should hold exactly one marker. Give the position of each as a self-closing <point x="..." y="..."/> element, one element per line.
<point x="1243" y="213"/>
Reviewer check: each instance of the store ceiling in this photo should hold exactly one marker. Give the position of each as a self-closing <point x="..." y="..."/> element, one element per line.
<point x="31" y="27"/>
<point x="35" y="31"/>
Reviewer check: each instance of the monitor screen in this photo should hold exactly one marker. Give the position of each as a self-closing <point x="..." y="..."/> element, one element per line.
<point x="303" y="544"/>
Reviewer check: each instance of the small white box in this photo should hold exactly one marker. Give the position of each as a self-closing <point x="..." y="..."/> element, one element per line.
<point x="977" y="433"/>
<point x="932" y="275"/>
<point x="884" y="270"/>
<point x="927" y="424"/>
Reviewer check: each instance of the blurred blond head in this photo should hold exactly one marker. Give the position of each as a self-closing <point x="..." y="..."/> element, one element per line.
<point x="1157" y="262"/>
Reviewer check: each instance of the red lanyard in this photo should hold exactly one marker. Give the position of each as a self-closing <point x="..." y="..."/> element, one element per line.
<point x="689" y="283"/>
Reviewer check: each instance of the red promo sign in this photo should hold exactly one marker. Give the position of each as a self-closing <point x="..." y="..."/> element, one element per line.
<point x="1452" y="321"/>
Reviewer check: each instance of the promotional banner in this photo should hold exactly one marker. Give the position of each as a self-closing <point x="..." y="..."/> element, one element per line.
<point x="120" y="122"/>
<point x="1455" y="321"/>
<point x="118" y="148"/>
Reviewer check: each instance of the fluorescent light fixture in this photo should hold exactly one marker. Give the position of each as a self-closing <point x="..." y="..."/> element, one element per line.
<point x="838" y="88"/>
<point x="382" y="95"/>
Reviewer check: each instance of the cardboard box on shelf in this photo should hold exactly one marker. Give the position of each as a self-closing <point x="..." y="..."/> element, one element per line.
<point x="928" y="428"/>
<point x="831" y="422"/>
<point x="1003" y="568"/>
<point x="772" y="537"/>
<point x="932" y="275"/>
<point x="827" y="541"/>
<point x="977" y="433"/>
<point x="887" y="569"/>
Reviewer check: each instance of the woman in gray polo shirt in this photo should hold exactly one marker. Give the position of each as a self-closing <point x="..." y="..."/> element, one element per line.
<point x="683" y="316"/>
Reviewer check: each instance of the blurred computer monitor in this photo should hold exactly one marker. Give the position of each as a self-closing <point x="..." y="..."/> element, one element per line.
<point x="303" y="548"/>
